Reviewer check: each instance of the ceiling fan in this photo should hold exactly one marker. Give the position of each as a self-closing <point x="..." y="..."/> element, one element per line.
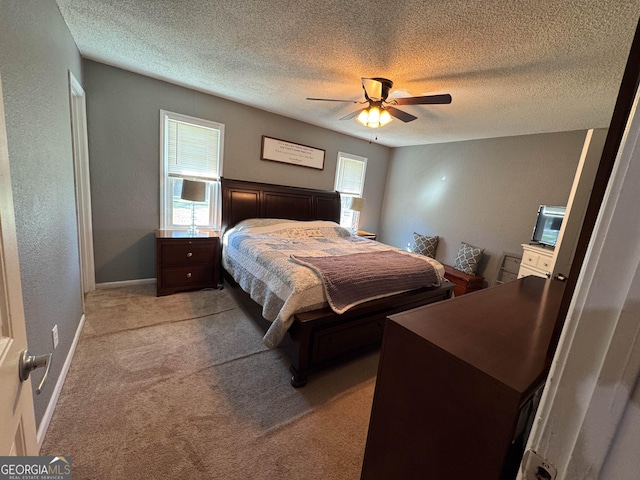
<point x="380" y="110"/>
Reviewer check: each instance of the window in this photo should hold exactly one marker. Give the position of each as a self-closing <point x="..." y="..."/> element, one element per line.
<point x="350" y="183"/>
<point x="190" y="148"/>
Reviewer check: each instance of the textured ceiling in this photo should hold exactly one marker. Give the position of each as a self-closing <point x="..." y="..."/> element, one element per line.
<point x="512" y="66"/>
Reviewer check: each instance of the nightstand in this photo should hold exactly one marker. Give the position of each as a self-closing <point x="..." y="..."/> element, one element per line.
<point x="369" y="235"/>
<point x="187" y="262"/>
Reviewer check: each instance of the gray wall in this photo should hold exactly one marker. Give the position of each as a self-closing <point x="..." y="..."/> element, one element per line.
<point x="123" y="120"/>
<point x="483" y="192"/>
<point x="489" y="196"/>
<point x="36" y="52"/>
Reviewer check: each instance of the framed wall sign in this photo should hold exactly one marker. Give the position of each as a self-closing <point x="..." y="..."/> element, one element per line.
<point x="294" y="153"/>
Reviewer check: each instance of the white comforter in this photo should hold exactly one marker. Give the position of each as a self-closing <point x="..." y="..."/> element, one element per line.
<point x="256" y="253"/>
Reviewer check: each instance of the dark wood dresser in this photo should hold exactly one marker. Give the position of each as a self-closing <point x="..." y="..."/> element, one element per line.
<point x="186" y="262"/>
<point x="456" y="381"/>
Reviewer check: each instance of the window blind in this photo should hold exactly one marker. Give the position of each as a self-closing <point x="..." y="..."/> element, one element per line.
<point x="350" y="176"/>
<point x="192" y="150"/>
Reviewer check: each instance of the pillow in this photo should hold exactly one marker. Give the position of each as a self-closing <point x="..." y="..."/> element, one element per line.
<point x="425" y="245"/>
<point x="468" y="258"/>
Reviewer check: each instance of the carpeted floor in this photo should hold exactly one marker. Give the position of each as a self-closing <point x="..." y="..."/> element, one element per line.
<point x="182" y="387"/>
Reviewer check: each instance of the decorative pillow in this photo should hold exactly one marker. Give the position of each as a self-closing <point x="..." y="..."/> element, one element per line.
<point x="425" y="245"/>
<point x="468" y="258"/>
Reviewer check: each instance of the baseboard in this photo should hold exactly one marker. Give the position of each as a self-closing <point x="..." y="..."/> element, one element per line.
<point x="126" y="283"/>
<point x="53" y="401"/>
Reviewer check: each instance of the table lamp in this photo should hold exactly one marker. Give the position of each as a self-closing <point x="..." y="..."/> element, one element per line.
<point x="193" y="191"/>
<point x="355" y="204"/>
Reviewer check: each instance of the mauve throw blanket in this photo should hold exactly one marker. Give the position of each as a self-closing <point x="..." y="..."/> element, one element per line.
<point x="357" y="278"/>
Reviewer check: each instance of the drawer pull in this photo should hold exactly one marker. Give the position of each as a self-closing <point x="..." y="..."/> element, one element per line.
<point x="189" y="255"/>
<point x="189" y="275"/>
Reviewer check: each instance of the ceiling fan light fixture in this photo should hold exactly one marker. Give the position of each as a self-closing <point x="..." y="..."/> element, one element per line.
<point x="385" y="117"/>
<point x="363" y="118"/>
<point x="380" y="110"/>
<point x="373" y="117"/>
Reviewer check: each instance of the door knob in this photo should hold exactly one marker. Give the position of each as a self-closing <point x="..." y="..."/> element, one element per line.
<point x="29" y="363"/>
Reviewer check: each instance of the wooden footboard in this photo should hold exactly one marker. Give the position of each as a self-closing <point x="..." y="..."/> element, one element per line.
<point x="321" y="338"/>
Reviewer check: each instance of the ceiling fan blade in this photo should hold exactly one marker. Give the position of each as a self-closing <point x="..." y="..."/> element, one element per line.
<point x="351" y="115"/>
<point x="333" y="100"/>
<point x="426" y="100"/>
<point x="400" y="115"/>
<point x="373" y="88"/>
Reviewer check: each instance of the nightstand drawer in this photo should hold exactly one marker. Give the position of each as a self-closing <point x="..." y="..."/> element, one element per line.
<point x="183" y="253"/>
<point x="191" y="276"/>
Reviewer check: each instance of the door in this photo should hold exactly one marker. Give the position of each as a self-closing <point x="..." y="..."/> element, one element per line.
<point x="17" y="419"/>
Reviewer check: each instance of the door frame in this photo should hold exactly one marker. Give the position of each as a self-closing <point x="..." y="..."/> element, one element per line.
<point x="77" y="99"/>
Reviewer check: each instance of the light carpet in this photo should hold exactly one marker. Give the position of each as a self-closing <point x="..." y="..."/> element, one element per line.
<point x="182" y="387"/>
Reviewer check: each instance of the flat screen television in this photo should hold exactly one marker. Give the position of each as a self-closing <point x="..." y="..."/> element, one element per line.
<point x="548" y="224"/>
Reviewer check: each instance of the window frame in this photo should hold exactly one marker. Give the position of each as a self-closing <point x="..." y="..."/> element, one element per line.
<point x="344" y="196"/>
<point x="166" y="180"/>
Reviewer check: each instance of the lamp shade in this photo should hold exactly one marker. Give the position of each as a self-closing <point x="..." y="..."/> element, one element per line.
<point x="356" y="204"/>
<point x="193" y="190"/>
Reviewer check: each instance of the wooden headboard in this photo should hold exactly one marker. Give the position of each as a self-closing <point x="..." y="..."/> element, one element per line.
<point x="242" y="200"/>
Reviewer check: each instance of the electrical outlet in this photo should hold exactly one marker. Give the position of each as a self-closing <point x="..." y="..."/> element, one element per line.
<point x="54" y="336"/>
<point x="534" y="467"/>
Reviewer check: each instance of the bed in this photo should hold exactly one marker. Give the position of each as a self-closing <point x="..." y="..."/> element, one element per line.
<point x="307" y="326"/>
